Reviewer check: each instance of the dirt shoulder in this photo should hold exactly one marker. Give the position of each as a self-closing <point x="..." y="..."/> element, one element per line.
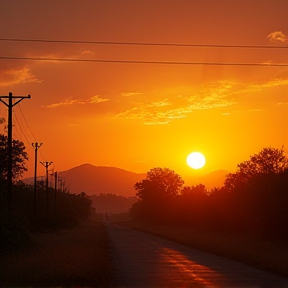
<point x="71" y="257"/>
<point x="263" y="254"/>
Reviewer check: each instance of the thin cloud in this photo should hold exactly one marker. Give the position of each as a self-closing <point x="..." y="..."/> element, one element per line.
<point x="277" y="36"/>
<point x="216" y="95"/>
<point x="129" y="94"/>
<point x="64" y="103"/>
<point x="97" y="99"/>
<point x="17" y="76"/>
<point x="165" y="111"/>
<point x="93" y="100"/>
<point x="87" y="52"/>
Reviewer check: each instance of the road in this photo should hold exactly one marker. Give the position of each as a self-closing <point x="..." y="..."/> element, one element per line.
<point x="143" y="260"/>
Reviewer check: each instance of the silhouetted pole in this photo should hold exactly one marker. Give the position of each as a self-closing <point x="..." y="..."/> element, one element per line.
<point x="63" y="186"/>
<point x="46" y="165"/>
<point x="36" y="147"/>
<point x="55" y="188"/>
<point x="10" y="105"/>
<point x="60" y="180"/>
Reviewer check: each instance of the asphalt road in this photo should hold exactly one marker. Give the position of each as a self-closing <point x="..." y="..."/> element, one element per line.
<point x="143" y="260"/>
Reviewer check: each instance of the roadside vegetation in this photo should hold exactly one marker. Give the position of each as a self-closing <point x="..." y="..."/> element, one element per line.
<point x="246" y="219"/>
<point x="58" y="244"/>
<point x="71" y="257"/>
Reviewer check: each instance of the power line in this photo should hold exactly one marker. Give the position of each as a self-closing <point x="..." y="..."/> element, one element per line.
<point x="20" y="127"/>
<point x="26" y="122"/>
<point x="143" y="43"/>
<point x="144" y="62"/>
<point x="42" y="156"/>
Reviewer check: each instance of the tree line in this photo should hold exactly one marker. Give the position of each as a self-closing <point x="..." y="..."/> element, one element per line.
<point x="253" y="200"/>
<point x="55" y="208"/>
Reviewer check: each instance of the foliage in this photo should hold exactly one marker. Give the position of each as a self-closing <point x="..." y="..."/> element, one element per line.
<point x="161" y="185"/>
<point x="19" y="157"/>
<point x="112" y="203"/>
<point x="64" y="210"/>
<point x="267" y="161"/>
<point x="161" y="182"/>
<point x="253" y="200"/>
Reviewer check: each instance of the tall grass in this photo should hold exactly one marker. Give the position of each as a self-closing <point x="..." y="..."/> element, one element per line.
<point x="71" y="257"/>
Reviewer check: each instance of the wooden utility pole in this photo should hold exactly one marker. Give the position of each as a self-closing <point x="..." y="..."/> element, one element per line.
<point x="36" y="147"/>
<point x="46" y="165"/>
<point x="55" y="188"/>
<point x="10" y="105"/>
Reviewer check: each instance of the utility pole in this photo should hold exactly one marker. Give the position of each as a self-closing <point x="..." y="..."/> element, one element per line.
<point x="36" y="147"/>
<point x="60" y="180"/>
<point x="46" y="165"/>
<point x="10" y="105"/>
<point x="55" y="188"/>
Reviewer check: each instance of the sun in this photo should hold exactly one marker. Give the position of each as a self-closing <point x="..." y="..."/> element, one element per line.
<point x="196" y="160"/>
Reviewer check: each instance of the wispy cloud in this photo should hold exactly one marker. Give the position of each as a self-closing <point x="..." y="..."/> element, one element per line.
<point x="87" y="52"/>
<point x="177" y="107"/>
<point x="97" y="99"/>
<point x="17" y="76"/>
<point x="70" y="101"/>
<point x="179" y="104"/>
<point x="277" y="36"/>
<point x="64" y="103"/>
<point x="129" y="94"/>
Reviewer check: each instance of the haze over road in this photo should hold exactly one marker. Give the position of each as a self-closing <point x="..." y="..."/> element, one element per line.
<point x="143" y="260"/>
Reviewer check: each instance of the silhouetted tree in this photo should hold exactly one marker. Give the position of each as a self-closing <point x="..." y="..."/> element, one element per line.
<point x="19" y="157"/>
<point x="159" y="181"/>
<point x="192" y="204"/>
<point x="157" y="192"/>
<point x="267" y="161"/>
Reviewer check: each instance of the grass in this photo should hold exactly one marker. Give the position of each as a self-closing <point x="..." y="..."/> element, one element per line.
<point x="264" y="254"/>
<point x="71" y="257"/>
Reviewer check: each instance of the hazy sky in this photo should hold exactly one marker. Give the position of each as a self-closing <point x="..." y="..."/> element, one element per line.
<point x="140" y="116"/>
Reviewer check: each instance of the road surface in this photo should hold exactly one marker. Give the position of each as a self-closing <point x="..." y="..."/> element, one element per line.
<point x="143" y="260"/>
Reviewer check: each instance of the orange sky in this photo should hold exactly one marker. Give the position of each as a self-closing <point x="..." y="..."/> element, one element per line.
<point x="140" y="116"/>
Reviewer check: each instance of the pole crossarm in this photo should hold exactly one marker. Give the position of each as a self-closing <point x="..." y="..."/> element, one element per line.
<point x="14" y="97"/>
<point x="46" y="164"/>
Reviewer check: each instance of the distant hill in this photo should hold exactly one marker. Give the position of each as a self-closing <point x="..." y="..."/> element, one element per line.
<point x="96" y="180"/>
<point x="210" y="180"/>
<point x="100" y="179"/>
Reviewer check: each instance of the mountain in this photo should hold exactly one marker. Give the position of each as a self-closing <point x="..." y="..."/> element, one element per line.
<point x="94" y="180"/>
<point x="210" y="180"/>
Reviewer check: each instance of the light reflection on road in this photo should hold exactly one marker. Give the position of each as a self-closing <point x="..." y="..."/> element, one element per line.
<point x="189" y="270"/>
<point x="143" y="260"/>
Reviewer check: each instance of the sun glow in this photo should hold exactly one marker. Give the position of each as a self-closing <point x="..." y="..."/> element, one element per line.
<point x="196" y="160"/>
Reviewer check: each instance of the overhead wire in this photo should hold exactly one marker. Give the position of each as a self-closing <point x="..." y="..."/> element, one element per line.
<point x="19" y="106"/>
<point x="21" y="130"/>
<point x="30" y="130"/>
<point x="143" y="62"/>
<point x="143" y="43"/>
